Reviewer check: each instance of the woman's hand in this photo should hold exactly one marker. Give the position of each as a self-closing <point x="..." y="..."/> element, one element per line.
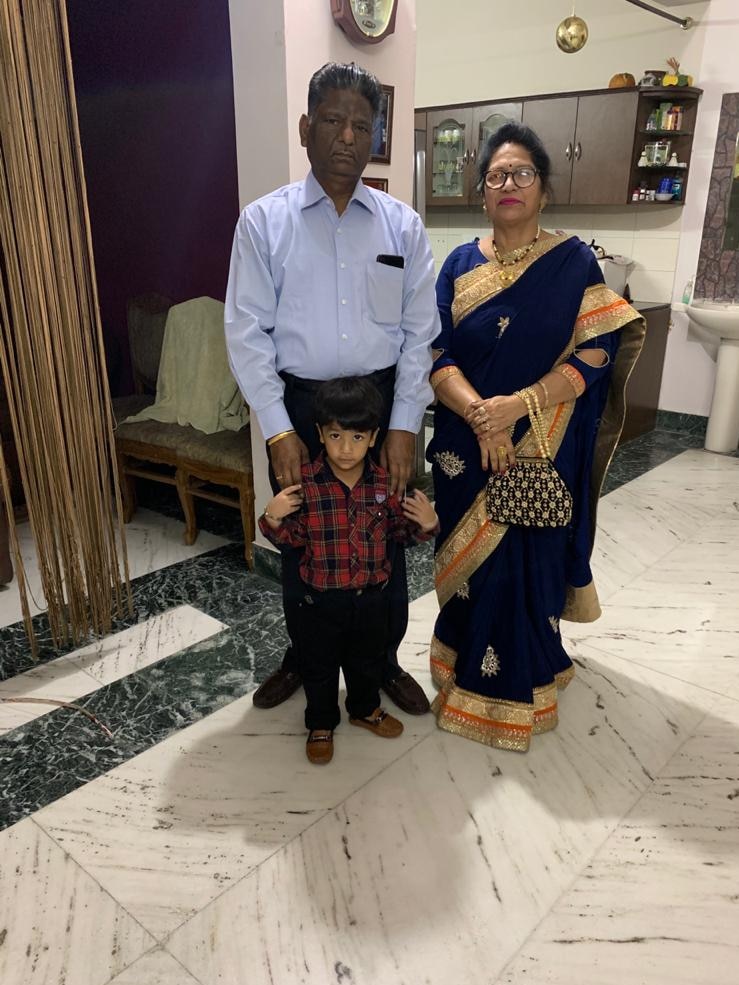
<point x="497" y="451"/>
<point x="417" y="507"/>
<point x="494" y="414"/>
<point x="286" y="501"/>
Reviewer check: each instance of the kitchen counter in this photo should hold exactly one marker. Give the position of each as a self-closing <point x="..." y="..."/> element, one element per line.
<point x="644" y="306"/>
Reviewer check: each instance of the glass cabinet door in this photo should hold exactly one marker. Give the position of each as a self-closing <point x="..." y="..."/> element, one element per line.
<point x="488" y="119"/>
<point x="447" y="159"/>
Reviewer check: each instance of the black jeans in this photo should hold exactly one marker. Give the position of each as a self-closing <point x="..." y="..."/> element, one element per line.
<point x="298" y="398"/>
<point x="341" y="629"/>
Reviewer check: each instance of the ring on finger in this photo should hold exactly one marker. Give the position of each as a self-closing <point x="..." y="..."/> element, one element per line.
<point x="502" y="451"/>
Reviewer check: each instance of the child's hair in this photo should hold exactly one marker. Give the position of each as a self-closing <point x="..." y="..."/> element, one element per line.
<point x="353" y="402"/>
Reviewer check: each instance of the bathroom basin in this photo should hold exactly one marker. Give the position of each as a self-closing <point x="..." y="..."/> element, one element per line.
<point x="721" y="321"/>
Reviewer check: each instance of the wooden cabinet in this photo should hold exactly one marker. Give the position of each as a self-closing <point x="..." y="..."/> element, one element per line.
<point x="594" y="139"/>
<point x="589" y="139"/>
<point x="455" y="138"/>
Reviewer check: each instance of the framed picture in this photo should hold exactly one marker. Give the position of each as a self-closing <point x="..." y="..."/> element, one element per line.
<point x="379" y="183"/>
<point x="382" y="131"/>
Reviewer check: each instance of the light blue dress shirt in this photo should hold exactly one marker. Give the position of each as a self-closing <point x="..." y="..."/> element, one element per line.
<point x="306" y="295"/>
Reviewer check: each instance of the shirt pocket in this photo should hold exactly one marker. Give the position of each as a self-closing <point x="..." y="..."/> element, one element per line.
<point x="385" y="293"/>
<point x="376" y="523"/>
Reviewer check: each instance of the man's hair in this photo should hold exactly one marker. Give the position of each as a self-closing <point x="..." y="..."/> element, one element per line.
<point x="335" y="75"/>
<point x="352" y="402"/>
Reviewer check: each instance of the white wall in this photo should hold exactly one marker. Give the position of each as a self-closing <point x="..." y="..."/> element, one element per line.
<point x="690" y="369"/>
<point x="479" y="49"/>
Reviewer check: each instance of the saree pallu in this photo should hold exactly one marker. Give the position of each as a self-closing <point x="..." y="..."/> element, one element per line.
<point x="497" y="654"/>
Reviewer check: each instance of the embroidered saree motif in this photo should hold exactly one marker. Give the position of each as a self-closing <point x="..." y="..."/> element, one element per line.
<point x="503" y="323"/>
<point x="449" y="463"/>
<point x="463" y="592"/>
<point x="554" y="623"/>
<point x="602" y="311"/>
<point x="490" y="663"/>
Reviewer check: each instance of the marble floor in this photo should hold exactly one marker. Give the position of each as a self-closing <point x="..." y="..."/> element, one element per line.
<point x="197" y="845"/>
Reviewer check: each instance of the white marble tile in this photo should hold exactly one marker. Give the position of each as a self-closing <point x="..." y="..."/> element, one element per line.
<point x="439" y="868"/>
<point x="81" y="672"/>
<point x="662" y="895"/>
<point x="166" y="832"/>
<point x="154" y="541"/>
<point x="56" y="924"/>
<point x="155" y="968"/>
<point x="697" y="645"/>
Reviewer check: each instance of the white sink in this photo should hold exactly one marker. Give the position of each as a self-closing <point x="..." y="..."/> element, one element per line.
<point x="721" y="322"/>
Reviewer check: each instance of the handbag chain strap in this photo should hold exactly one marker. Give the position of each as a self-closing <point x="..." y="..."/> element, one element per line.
<point x="531" y="399"/>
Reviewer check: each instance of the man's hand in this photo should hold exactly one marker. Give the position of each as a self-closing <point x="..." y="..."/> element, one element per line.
<point x="287" y="455"/>
<point x="396" y="457"/>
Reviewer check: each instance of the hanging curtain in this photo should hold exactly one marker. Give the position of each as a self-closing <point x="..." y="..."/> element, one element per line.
<point x="51" y="347"/>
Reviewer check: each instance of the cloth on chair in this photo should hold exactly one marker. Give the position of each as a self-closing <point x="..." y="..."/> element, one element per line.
<point x="195" y="385"/>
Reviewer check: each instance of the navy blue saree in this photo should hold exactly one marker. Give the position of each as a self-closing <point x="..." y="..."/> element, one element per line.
<point x="497" y="654"/>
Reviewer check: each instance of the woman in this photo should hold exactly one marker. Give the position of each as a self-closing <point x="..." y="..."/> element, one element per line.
<point x="532" y="360"/>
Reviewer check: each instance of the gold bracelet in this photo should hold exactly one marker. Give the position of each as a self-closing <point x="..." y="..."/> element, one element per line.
<point x="278" y="437"/>
<point x="442" y="374"/>
<point x="271" y="516"/>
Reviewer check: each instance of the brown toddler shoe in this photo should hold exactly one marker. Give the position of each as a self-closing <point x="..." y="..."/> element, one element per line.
<point x="380" y="723"/>
<point x="319" y="746"/>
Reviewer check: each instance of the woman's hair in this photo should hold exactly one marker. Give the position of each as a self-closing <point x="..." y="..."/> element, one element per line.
<point x="517" y="133"/>
<point x="352" y="402"/>
<point x="335" y="75"/>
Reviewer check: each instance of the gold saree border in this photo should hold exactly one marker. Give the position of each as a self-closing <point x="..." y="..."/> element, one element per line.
<point x="481" y="283"/>
<point x="443" y="660"/>
<point x="473" y="540"/>
<point x="497" y="722"/>
<point x="601" y="311"/>
<point x="582" y="604"/>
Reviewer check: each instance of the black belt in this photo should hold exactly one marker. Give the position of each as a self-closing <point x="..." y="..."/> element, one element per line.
<point x="379" y="377"/>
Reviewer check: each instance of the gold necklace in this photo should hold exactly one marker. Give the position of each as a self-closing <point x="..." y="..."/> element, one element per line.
<point x="515" y="256"/>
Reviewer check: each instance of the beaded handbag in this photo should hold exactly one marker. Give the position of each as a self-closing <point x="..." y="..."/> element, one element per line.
<point x="530" y="494"/>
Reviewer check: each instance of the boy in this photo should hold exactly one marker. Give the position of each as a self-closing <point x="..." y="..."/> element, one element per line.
<point x="343" y="525"/>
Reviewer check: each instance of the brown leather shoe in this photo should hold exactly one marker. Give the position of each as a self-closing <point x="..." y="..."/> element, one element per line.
<point x="380" y="723"/>
<point x="277" y="688"/>
<point x="407" y="694"/>
<point x="319" y="746"/>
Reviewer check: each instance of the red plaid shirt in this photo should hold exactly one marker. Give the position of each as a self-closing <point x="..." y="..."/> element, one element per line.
<point x="344" y="532"/>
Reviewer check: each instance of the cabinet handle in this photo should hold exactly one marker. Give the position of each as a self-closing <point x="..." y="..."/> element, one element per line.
<point x="466" y="157"/>
<point x="578" y="151"/>
<point x="473" y="155"/>
<point x="568" y="150"/>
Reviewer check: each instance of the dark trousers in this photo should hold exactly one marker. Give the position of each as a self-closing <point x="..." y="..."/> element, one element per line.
<point x="341" y="630"/>
<point x="298" y="398"/>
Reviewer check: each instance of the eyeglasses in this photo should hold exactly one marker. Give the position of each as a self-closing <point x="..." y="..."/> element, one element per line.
<point x="522" y="177"/>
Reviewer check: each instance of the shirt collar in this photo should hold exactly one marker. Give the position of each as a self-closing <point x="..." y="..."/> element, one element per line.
<point x="312" y="193"/>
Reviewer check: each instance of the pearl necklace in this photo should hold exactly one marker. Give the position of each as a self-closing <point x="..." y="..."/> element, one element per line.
<point x="515" y="256"/>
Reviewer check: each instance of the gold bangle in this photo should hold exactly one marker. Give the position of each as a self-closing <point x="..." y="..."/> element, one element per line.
<point x="543" y="386"/>
<point x="573" y="377"/>
<point x="442" y="374"/>
<point x="278" y="437"/>
<point x="271" y="516"/>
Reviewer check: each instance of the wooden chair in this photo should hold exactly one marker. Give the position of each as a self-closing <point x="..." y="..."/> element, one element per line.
<point x="198" y="465"/>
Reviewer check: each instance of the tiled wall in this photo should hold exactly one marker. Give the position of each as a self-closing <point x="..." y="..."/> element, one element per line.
<point x="648" y="234"/>
<point x="717" y="277"/>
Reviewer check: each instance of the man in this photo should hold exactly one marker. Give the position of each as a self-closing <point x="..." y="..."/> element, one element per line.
<point x="330" y="278"/>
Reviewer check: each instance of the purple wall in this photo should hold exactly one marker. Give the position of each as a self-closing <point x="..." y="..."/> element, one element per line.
<point x="155" y="102"/>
